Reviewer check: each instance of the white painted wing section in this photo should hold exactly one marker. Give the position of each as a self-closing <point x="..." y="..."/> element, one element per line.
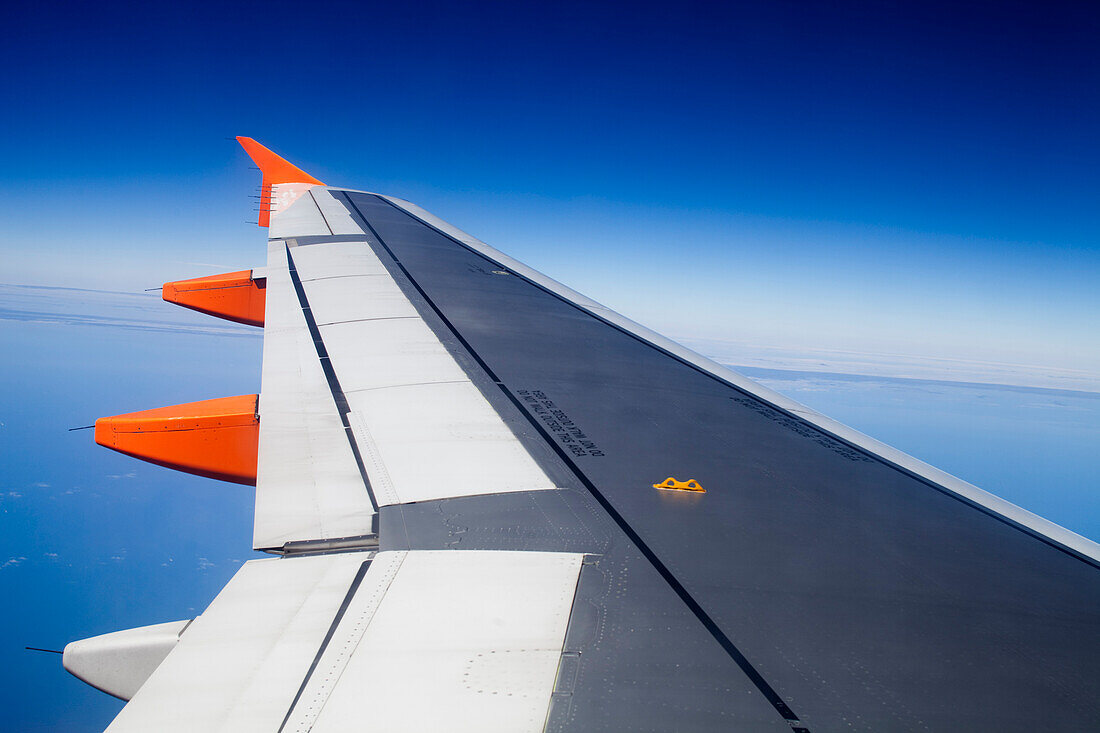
<point x="454" y="641"/>
<point x="335" y="214"/>
<point x="411" y="354"/>
<point x="306" y="210"/>
<point x="294" y="212"/>
<point x="426" y="641"/>
<point x="308" y="484"/>
<point x="899" y="458"/>
<point x="351" y="298"/>
<point x="440" y="440"/>
<point x="242" y="661"/>
<point x="423" y="429"/>
<point x="338" y="259"/>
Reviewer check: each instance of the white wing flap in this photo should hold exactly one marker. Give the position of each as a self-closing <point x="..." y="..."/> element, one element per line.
<point x="424" y="429"/>
<point x="478" y="634"/>
<point x="475" y="635"/>
<point x="337" y="259"/>
<point x="354" y="298"/>
<point x="441" y="440"/>
<point x="388" y="353"/>
<point x="240" y="664"/>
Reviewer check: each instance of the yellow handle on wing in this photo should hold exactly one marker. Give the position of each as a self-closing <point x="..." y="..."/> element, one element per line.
<point x="672" y="484"/>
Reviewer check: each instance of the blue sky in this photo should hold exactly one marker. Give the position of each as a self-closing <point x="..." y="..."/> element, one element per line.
<point x="919" y="180"/>
<point x="90" y="540"/>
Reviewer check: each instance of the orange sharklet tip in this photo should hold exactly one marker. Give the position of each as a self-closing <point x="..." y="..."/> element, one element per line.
<point x="275" y="169"/>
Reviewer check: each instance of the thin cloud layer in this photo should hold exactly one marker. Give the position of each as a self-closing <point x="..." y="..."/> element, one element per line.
<point x="107" y="308"/>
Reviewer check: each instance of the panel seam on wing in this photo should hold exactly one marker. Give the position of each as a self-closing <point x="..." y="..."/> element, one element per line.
<point x="344" y="642"/>
<point x="385" y="493"/>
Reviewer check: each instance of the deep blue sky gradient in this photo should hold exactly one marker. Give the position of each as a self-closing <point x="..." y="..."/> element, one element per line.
<point x="980" y="118"/>
<point x="912" y="179"/>
<point x="971" y="119"/>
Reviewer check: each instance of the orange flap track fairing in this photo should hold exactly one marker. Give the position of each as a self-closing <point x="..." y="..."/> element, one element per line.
<point x="234" y="296"/>
<point x="217" y="439"/>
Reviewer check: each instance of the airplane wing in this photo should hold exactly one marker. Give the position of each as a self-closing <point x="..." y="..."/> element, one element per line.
<point x="493" y="504"/>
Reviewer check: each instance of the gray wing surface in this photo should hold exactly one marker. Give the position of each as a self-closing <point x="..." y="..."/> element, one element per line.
<point x="815" y="584"/>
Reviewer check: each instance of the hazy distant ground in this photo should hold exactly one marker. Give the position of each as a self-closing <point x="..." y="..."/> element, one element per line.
<point x="91" y="541"/>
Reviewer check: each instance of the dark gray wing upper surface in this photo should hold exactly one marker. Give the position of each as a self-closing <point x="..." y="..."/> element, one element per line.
<point x="814" y="585"/>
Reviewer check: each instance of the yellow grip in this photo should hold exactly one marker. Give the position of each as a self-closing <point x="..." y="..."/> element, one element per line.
<point x="674" y="485"/>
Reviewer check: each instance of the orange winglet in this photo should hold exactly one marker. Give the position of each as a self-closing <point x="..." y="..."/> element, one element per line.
<point x="276" y="171"/>
<point x="234" y="296"/>
<point x="214" y="438"/>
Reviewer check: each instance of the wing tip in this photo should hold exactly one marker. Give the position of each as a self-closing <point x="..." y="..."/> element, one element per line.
<point x="275" y="168"/>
